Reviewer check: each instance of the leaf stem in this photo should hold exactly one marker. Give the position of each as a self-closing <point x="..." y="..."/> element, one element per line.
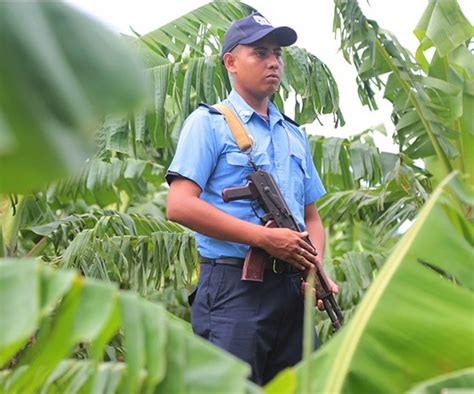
<point x="413" y="99"/>
<point x="308" y="333"/>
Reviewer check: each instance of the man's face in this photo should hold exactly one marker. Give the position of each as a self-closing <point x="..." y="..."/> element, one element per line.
<point x="256" y="68"/>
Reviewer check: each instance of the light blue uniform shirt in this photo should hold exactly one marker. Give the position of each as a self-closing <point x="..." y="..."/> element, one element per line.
<point x="208" y="155"/>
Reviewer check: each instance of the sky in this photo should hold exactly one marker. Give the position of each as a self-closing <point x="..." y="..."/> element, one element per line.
<point x="312" y="20"/>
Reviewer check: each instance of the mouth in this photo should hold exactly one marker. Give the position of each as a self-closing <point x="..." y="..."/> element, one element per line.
<point x="273" y="77"/>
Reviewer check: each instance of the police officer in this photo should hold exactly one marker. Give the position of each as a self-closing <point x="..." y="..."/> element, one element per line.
<point x="261" y="323"/>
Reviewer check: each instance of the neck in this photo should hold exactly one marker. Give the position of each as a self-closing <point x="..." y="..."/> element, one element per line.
<point x="260" y="105"/>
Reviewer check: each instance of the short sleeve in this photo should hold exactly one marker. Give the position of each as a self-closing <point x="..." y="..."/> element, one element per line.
<point x="313" y="187"/>
<point x="197" y="151"/>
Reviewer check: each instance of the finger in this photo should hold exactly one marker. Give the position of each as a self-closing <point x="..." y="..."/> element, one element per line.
<point x="306" y="246"/>
<point x="299" y="266"/>
<point x="305" y="262"/>
<point x="333" y="287"/>
<point x="300" y="258"/>
<point x="296" y="263"/>
<point x="304" y="286"/>
<point x="320" y="305"/>
<point x="307" y="254"/>
<point x="311" y="258"/>
<point x="299" y="250"/>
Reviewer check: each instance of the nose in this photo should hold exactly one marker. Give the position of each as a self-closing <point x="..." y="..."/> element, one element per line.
<point x="274" y="61"/>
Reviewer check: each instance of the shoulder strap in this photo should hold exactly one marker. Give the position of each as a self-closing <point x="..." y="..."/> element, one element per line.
<point x="238" y="130"/>
<point x="290" y="120"/>
<point x="210" y="108"/>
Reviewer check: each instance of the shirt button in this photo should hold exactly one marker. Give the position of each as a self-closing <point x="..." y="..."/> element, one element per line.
<point x="244" y="113"/>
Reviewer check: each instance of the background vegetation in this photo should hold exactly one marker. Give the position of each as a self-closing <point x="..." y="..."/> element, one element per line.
<point x="105" y="113"/>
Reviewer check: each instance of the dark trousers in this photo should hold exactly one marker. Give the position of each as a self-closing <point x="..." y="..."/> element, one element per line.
<point x="260" y="323"/>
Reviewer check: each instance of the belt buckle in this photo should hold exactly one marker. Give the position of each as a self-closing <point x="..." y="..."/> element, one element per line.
<point x="276" y="268"/>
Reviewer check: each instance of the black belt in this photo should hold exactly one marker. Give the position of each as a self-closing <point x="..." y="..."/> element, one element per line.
<point x="272" y="264"/>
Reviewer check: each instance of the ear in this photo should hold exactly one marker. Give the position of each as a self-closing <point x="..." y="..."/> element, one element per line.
<point x="229" y="62"/>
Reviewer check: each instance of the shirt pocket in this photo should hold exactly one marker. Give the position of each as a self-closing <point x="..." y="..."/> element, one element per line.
<point x="299" y="171"/>
<point x="241" y="160"/>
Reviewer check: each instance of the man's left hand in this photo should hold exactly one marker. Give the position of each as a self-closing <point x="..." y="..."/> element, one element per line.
<point x="332" y="287"/>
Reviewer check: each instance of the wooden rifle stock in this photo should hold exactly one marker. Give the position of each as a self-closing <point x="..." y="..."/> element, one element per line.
<point x="254" y="265"/>
<point x="255" y="261"/>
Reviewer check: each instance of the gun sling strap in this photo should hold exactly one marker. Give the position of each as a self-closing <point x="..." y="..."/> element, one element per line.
<point x="238" y="130"/>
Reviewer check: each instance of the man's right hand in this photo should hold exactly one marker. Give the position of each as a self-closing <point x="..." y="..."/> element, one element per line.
<point x="289" y="246"/>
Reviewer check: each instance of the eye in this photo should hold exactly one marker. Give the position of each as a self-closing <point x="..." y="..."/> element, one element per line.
<point x="262" y="53"/>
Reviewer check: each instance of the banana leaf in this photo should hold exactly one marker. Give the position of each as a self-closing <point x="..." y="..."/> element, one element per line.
<point x="47" y="314"/>
<point x="59" y="73"/>
<point x="415" y="321"/>
<point x="460" y="381"/>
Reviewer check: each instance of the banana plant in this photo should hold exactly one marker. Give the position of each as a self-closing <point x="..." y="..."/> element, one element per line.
<point x="364" y="183"/>
<point x="47" y="314"/>
<point x="184" y="68"/>
<point x="414" y="322"/>
<point x="413" y="325"/>
<point x="371" y="194"/>
<point x="432" y="101"/>
<point x="58" y="81"/>
<point x="108" y="182"/>
<point x="459" y="380"/>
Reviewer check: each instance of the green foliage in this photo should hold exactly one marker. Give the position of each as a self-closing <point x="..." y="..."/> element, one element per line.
<point x="101" y="182"/>
<point x="455" y="382"/>
<point x="416" y="313"/>
<point x="313" y="85"/>
<point x="414" y="323"/>
<point x="431" y="112"/>
<point x="57" y="81"/>
<point x="135" y="251"/>
<point x="364" y="183"/>
<point x="371" y="194"/>
<point x="184" y="68"/>
<point x="50" y="312"/>
<point x="107" y="221"/>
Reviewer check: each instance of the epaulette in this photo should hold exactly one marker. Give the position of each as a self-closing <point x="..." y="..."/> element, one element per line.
<point x="290" y="120"/>
<point x="211" y="109"/>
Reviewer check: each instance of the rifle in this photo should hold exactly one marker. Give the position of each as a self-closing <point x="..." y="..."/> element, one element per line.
<point x="261" y="187"/>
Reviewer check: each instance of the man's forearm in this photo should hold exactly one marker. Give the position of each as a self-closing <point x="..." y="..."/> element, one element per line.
<point x="317" y="237"/>
<point x="185" y="207"/>
<point x="316" y="232"/>
<point x="200" y="216"/>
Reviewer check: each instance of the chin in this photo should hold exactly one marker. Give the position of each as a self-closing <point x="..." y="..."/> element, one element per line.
<point x="271" y="92"/>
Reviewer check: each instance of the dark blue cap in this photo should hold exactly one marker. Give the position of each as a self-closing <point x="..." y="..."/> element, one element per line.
<point x="252" y="28"/>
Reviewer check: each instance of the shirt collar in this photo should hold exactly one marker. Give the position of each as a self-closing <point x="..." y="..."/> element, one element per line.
<point x="245" y="111"/>
<point x="275" y="115"/>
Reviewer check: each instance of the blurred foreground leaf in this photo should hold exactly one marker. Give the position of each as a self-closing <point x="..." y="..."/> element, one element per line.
<point x="415" y="321"/>
<point x="460" y="382"/>
<point x="59" y="72"/>
<point x="46" y="314"/>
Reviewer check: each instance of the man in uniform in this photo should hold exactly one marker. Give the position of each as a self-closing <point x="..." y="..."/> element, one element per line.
<point x="261" y="323"/>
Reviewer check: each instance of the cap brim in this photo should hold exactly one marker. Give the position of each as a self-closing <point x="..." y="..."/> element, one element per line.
<point x="284" y="35"/>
